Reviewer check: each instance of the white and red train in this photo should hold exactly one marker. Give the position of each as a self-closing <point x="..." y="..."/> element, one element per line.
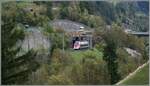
<point x="81" y="39"/>
<point x="80" y="45"/>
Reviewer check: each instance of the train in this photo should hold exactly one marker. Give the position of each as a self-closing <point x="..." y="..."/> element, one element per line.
<point x="81" y="39"/>
<point x="80" y="45"/>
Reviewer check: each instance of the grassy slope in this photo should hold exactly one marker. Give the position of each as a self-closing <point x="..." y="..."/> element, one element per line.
<point x="77" y="55"/>
<point x="140" y="78"/>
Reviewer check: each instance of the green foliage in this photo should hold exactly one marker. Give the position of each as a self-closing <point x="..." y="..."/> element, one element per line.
<point x="121" y="39"/>
<point x="146" y="53"/>
<point x="76" y="74"/>
<point x="47" y="29"/>
<point x="100" y="47"/>
<point x="57" y="39"/>
<point x="49" y="10"/>
<point x="112" y="43"/>
<point x="59" y="60"/>
<point x="90" y="71"/>
<point x="79" y="55"/>
<point x="140" y="78"/>
<point x="77" y="67"/>
<point x="34" y="19"/>
<point x="102" y="8"/>
<point x="71" y="12"/>
<point x="122" y="12"/>
<point x="114" y="39"/>
<point x="15" y="69"/>
<point x="64" y="12"/>
<point x="92" y="20"/>
<point x="40" y="76"/>
<point x="95" y="72"/>
<point x="115" y="35"/>
<point x="22" y="13"/>
<point x="127" y="64"/>
<point x="111" y="58"/>
<point x="58" y="68"/>
<point x="130" y="14"/>
<point x="135" y="43"/>
<point x="59" y="80"/>
<point x="76" y="13"/>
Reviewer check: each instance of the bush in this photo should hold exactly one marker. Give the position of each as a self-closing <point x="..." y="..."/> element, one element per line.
<point x="90" y="71"/>
<point x="59" y="80"/>
<point x="126" y="63"/>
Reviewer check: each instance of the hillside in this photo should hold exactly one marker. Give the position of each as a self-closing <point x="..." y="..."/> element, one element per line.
<point x="74" y="42"/>
<point x="122" y="12"/>
<point x="139" y="78"/>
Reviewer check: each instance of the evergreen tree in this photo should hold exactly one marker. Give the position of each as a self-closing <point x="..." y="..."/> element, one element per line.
<point x="110" y="55"/>
<point x="15" y="68"/>
<point x="111" y="58"/>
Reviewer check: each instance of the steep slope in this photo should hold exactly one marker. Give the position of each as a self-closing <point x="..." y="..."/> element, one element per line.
<point x="36" y="40"/>
<point x="134" y="14"/>
<point x="141" y="77"/>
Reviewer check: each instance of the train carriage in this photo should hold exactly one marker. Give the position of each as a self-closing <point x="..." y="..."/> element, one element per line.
<point x="81" y="39"/>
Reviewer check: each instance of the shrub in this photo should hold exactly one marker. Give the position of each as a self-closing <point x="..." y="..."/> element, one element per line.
<point x="59" y="80"/>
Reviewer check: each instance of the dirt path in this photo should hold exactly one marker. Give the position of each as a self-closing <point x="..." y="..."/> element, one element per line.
<point x="133" y="73"/>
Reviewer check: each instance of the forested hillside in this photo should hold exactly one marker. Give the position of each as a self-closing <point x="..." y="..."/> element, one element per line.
<point x="38" y="45"/>
<point x="129" y="13"/>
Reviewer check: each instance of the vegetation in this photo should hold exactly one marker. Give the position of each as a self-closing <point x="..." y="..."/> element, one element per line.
<point x="78" y="55"/>
<point x="110" y="56"/>
<point x="15" y="69"/>
<point x="140" y="78"/>
<point x="104" y="64"/>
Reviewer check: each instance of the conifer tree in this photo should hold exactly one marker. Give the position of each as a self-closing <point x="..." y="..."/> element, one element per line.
<point x="15" y="68"/>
